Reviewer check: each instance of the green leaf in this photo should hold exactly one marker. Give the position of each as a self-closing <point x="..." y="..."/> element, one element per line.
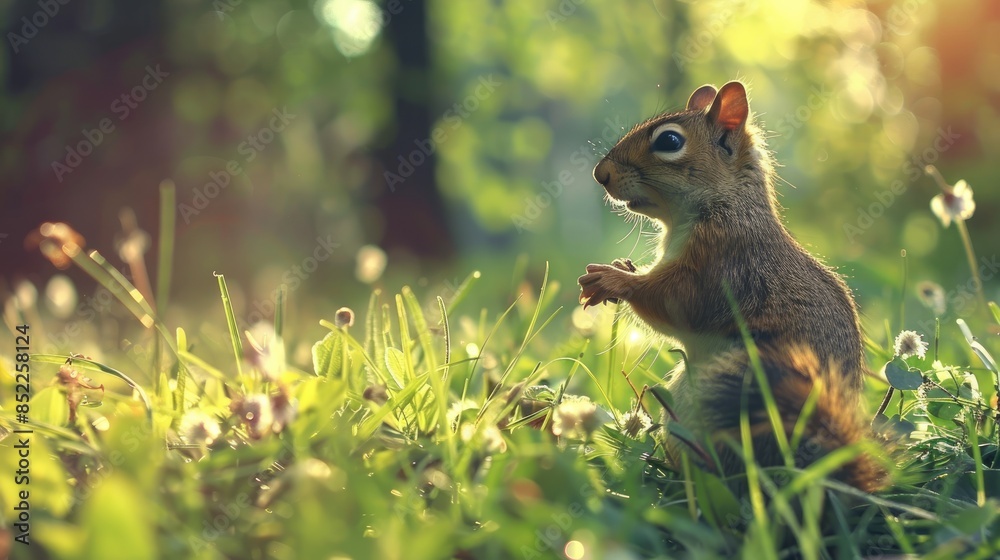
<point x="117" y="520"/>
<point x="395" y="360"/>
<point x="901" y="377"/>
<point x="396" y="401"/>
<point x="996" y="311"/>
<point x="678" y="430"/>
<point x="977" y="348"/>
<point x="716" y="501"/>
<point x="940" y="406"/>
<point x="49" y="406"/>
<point x="969" y="522"/>
<point x="894" y="427"/>
<point x="326" y="355"/>
<point x="663" y="396"/>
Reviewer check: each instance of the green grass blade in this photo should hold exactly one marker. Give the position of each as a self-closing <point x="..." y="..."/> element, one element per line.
<point x="807" y="411"/>
<point x="97" y="267"/>
<point x="83" y="363"/>
<point x="234" y="332"/>
<point x="823" y="467"/>
<point x="191" y="359"/>
<point x="165" y="254"/>
<point x="463" y="289"/>
<point x="374" y="343"/>
<point x="995" y="310"/>
<point x="279" y="314"/>
<point x="973" y="429"/>
<point x="437" y="381"/>
<point x="765" y="388"/>
<point x="446" y="332"/>
<point x="405" y="342"/>
<point x="182" y="373"/>
<point x="397" y="401"/>
<point x="420" y="323"/>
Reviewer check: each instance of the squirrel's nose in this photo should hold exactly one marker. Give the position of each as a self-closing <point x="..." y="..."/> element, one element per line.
<point x="602" y="173"/>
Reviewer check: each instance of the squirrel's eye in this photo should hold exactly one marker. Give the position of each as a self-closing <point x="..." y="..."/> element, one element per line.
<point x="668" y="141"/>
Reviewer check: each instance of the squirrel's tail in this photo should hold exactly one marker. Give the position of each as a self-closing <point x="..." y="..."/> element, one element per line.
<point x="792" y="375"/>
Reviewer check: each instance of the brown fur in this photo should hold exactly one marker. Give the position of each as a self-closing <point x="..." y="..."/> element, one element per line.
<point x="715" y="203"/>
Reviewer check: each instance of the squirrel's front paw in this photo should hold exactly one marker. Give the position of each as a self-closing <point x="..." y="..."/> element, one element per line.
<point x="604" y="282"/>
<point x="624" y="264"/>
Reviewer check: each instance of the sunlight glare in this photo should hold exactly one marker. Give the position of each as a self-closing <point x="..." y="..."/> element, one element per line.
<point x="574" y="550"/>
<point x="355" y="23"/>
<point x="635" y="336"/>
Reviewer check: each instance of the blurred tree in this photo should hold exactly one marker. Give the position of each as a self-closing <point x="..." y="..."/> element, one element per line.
<point x="412" y="208"/>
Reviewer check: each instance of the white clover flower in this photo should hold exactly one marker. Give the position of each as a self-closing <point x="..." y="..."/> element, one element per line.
<point x="910" y="343"/>
<point x="255" y="411"/>
<point x="635" y="424"/>
<point x="198" y="428"/>
<point x="578" y="417"/>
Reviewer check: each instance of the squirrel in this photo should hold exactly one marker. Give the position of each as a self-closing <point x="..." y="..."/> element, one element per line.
<point x="705" y="177"/>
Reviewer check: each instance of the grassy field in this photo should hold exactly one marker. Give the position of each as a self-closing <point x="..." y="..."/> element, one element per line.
<point x="436" y="427"/>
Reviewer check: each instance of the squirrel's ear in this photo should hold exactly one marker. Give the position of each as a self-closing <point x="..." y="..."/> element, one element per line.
<point x="730" y="108"/>
<point x="701" y="98"/>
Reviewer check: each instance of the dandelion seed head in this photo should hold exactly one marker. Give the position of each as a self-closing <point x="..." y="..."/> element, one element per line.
<point x="910" y="343"/>
<point x="932" y="296"/>
<point x="956" y="204"/>
<point x="635" y="424"/>
<point x="578" y="417"/>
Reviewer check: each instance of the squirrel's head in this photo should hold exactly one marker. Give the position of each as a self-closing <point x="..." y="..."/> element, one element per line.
<point x="676" y="167"/>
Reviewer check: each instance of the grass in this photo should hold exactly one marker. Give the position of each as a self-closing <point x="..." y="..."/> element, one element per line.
<point x="435" y="429"/>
